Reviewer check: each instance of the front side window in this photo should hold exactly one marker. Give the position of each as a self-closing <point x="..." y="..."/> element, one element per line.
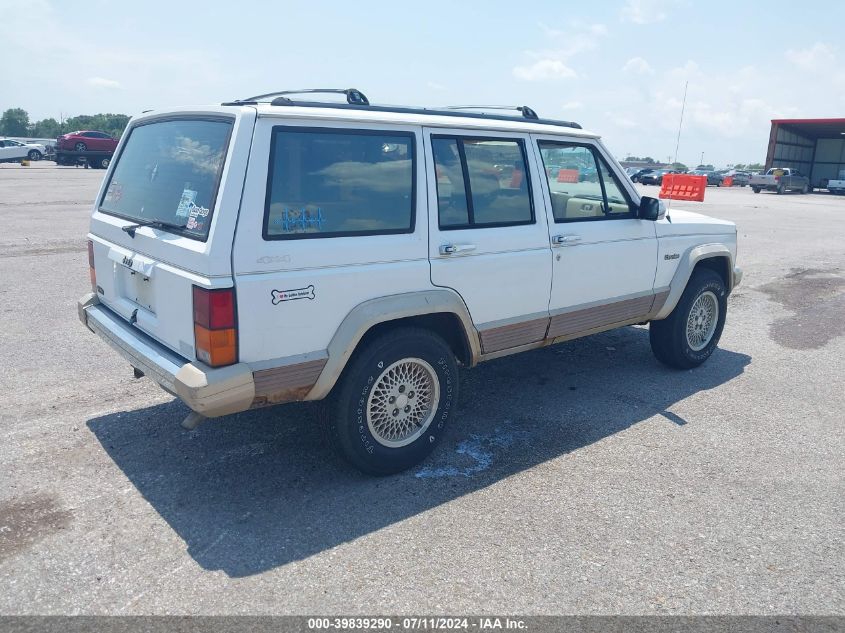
<point x="481" y="182"/>
<point x="326" y="182"/>
<point x="581" y="184"/>
<point x="170" y="171"/>
<point x="617" y="202"/>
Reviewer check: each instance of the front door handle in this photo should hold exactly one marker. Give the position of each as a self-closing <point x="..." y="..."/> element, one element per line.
<point x="452" y="249"/>
<point x="566" y="240"/>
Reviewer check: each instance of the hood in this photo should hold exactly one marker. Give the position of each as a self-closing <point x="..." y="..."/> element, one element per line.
<point x="689" y="223"/>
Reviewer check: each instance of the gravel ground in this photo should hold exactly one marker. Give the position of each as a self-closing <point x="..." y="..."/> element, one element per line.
<point x="583" y="478"/>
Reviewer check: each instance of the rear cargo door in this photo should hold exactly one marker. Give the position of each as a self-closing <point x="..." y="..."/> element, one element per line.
<point x="184" y="171"/>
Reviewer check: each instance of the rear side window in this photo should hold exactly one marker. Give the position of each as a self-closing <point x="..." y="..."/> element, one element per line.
<point x="326" y="182"/>
<point x="481" y="182"/>
<point x="170" y="170"/>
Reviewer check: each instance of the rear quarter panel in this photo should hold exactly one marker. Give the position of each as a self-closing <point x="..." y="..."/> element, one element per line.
<point x="330" y="275"/>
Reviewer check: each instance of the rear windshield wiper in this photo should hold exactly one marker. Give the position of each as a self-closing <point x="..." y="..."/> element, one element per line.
<point x="161" y="224"/>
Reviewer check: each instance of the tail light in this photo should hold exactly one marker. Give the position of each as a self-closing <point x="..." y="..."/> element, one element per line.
<point x="215" y="330"/>
<point x="91" y="270"/>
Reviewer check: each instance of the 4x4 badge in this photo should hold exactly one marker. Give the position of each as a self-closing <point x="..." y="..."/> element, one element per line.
<point x="292" y="295"/>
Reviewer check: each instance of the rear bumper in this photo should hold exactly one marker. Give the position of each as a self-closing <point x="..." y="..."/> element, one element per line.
<point x="209" y="392"/>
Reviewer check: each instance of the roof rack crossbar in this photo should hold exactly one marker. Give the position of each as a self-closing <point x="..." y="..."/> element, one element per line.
<point x="526" y="112"/>
<point x="353" y="96"/>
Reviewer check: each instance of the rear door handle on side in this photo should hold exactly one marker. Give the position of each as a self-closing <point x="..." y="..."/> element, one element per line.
<point x="566" y="240"/>
<point x="452" y="249"/>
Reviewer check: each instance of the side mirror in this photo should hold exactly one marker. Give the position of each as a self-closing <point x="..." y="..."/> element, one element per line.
<point x="650" y="209"/>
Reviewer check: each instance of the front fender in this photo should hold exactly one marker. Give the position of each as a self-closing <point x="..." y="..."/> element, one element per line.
<point x="691" y="257"/>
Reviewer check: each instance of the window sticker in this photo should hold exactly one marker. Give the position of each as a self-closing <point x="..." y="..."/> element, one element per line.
<point x="114" y="192"/>
<point x="304" y="220"/>
<point x="196" y="221"/>
<point x="185" y="203"/>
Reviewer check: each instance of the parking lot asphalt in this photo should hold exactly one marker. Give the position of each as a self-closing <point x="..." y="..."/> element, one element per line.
<point x="582" y="478"/>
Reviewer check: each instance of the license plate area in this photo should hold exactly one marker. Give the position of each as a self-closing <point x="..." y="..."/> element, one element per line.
<point x="137" y="288"/>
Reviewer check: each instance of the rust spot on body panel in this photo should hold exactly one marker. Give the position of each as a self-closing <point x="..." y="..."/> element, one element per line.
<point x="290" y="383"/>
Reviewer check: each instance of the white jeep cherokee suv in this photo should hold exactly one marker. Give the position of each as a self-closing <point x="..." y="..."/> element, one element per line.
<point x="274" y="250"/>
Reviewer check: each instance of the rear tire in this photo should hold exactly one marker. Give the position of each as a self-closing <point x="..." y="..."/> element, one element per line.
<point x="688" y="336"/>
<point x="755" y="189"/>
<point x="393" y="402"/>
<point x="804" y="189"/>
<point x="80" y="147"/>
<point x="34" y="154"/>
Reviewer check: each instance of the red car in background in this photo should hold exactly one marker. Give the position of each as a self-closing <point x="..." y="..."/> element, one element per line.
<point x="87" y="140"/>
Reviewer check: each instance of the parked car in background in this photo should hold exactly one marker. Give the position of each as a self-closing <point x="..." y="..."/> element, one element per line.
<point x="637" y="175"/>
<point x="14" y="151"/>
<point x="836" y="186"/>
<point x="740" y="178"/>
<point x="713" y="178"/>
<point x="780" y="180"/>
<point x="654" y="177"/>
<point x="87" y="140"/>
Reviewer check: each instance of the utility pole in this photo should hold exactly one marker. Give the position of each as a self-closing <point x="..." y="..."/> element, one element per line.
<point x="702" y="159"/>
<point x="681" y="122"/>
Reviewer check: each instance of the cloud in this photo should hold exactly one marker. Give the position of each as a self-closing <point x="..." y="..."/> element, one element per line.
<point x="544" y="69"/>
<point x="637" y="65"/>
<point x="819" y="57"/>
<point x="719" y="105"/>
<point x="645" y="11"/>
<point x="554" y="63"/>
<point x="100" y="82"/>
<point x="620" y="120"/>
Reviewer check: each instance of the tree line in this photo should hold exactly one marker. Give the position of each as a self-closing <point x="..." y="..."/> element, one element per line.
<point x="15" y="122"/>
<point x="648" y="160"/>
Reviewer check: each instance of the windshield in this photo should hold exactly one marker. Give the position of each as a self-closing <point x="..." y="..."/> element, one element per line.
<point x="170" y="171"/>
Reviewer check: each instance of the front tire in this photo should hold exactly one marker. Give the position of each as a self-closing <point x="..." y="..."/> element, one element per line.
<point x="688" y="336"/>
<point x="393" y="402"/>
<point x="80" y="147"/>
<point x="755" y="189"/>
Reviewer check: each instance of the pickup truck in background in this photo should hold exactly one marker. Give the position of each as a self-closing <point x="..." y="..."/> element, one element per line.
<point x="780" y="179"/>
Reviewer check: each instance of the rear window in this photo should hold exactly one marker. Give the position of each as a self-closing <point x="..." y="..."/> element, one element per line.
<point x="329" y="182"/>
<point x="170" y="171"/>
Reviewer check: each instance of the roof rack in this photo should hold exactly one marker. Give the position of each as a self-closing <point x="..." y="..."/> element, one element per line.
<point x="353" y="96"/>
<point x="356" y="100"/>
<point x="527" y="112"/>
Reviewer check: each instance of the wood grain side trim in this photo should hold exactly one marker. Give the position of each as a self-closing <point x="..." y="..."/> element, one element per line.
<point x="576" y="321"/>
<point x="286" y="384"/>
<point x="513" y="335"/>
<point x="659" y="301"/>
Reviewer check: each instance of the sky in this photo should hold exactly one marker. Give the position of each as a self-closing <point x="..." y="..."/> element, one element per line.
<point x="616" y="67"/>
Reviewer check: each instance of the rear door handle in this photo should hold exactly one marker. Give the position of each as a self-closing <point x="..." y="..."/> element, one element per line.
<point x="566" y="240"/>
<point x="452" y="249"/>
